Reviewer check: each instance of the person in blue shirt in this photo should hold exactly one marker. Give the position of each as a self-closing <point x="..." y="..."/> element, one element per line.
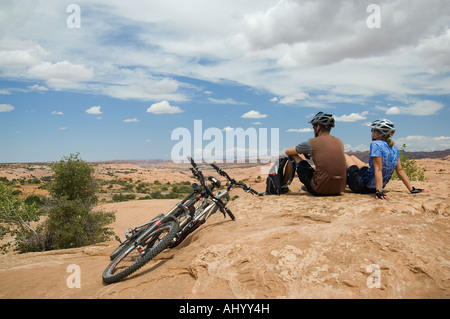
<point x="384" y="160"/>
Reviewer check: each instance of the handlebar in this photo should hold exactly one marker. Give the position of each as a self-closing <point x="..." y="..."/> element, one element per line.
<point x="233" y="181"/>
<point x="199" y="175"/>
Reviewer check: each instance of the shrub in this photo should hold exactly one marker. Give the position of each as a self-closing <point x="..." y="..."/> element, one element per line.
<point x="123" y="197"/>
<point x="40" y="200"/>
<point x="71" y="221"/>
<point x="414" y="172"/>
<point x="16" y="217"/>
<point x="156" y="195"/>
<point x="71" y="224"/>
<point x="73" y="179"/>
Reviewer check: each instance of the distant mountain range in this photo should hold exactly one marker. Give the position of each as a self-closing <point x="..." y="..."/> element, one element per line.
<point x="363" y="156"/>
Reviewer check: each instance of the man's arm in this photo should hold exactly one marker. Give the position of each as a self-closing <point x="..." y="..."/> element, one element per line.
<point x="291" y="151"/>
<point x="304" y="148"/>
<point x="297" y="152"/>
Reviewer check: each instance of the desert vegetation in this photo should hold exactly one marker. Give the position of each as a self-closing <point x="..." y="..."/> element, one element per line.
<point x="62" y="219"/>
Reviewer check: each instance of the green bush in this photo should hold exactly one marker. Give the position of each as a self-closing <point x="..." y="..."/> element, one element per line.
<point x="16" y="218"/>
<point x="71" y="221"/>
<point x="156" y="195"/>
<point x="71" y="224"/>
<point x="409" y="165"/>
<point x="40" y="200"/>
<point x="73" y="179"/>
<point x="123" y="197"/>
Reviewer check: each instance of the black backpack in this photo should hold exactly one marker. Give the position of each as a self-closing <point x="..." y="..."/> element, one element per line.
<point x="275" y="181"/>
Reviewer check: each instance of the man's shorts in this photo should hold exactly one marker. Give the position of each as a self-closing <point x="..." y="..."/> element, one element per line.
<point x="355" y="180"/>
<point x="305" y="173"/>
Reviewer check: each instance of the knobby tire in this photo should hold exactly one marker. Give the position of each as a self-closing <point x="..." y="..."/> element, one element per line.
<point x="155" y="246"/>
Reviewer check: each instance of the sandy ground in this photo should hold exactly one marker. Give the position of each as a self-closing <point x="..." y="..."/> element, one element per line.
<point x="290" y="246"/>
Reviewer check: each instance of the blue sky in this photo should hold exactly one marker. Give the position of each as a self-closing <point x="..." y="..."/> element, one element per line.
<point x="134" y="71"/>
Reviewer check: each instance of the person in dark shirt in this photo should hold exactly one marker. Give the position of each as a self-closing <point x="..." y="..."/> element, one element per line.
<point x="327" y="152"/>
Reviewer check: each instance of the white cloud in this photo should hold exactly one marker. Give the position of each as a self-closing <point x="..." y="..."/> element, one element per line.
<point x="19" y="54"/>
<point x="254" y="115"/>
<point x="6" y="108"/>
<point x="61" y="71"/>
<point x="94" y="110"/>
<point x="418" y="108"/>
<point x="133" y="120"/>
<point x="343" y="32"/>
<point x="37" y="88"/>
<point x="424" y="143"/>
<point x="352" y="117"/>
<point x="225" y="101"/>
<point x="436" y="51"/>
<point x="393" y="110"/>
<point x="357" y="148"/>
<point x="164" y="107"/>
<point x="256" y="43"/>
<point x="165" y="85"/>
<point x="299" y="130"/>
<point x="293" y="98"/>
<point x="138" y="84"/>
<point x="57" y="113"/>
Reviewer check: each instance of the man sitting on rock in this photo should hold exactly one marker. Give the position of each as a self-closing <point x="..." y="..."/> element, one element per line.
<point x="327" y="152"/>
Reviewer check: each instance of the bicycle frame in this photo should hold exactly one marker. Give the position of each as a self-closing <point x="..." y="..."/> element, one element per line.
<point x="211" y="206"/>
<point x="193" y="216"/>
<point x="170" y="229"/>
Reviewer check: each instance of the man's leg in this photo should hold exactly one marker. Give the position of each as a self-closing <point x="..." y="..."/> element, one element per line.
<point x="287" y="174"/>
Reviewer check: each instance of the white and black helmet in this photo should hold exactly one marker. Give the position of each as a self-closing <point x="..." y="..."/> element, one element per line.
<point x="323" y="119"/>
<point x="384" y="126"/>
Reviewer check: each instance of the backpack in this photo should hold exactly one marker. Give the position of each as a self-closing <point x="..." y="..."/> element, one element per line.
<point x="275" y="180"/>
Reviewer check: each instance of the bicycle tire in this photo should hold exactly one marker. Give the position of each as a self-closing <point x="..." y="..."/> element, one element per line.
<point x="134" y="235"/>
<point x="177" y="241"/>
<point x="121" y="247"/>
<point x="154" y="245"/>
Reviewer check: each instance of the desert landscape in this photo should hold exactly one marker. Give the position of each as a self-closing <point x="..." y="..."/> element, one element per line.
<point x="279" y="247"/>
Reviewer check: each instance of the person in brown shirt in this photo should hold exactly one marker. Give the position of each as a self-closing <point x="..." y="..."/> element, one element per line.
<point x="327" y="152"/>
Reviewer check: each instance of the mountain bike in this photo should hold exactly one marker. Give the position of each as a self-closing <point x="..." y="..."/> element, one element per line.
<point x="168" y="230"/>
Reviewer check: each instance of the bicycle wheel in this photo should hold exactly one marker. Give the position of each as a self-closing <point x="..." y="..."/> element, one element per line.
<point x="130" y="259"/>
<point x="136" y="232"/>
<point x="124" y="244"/>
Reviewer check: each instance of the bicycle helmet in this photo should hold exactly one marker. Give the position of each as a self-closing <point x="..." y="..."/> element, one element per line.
<point x="323" y="119"/>
<point x="384" y="126"/>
